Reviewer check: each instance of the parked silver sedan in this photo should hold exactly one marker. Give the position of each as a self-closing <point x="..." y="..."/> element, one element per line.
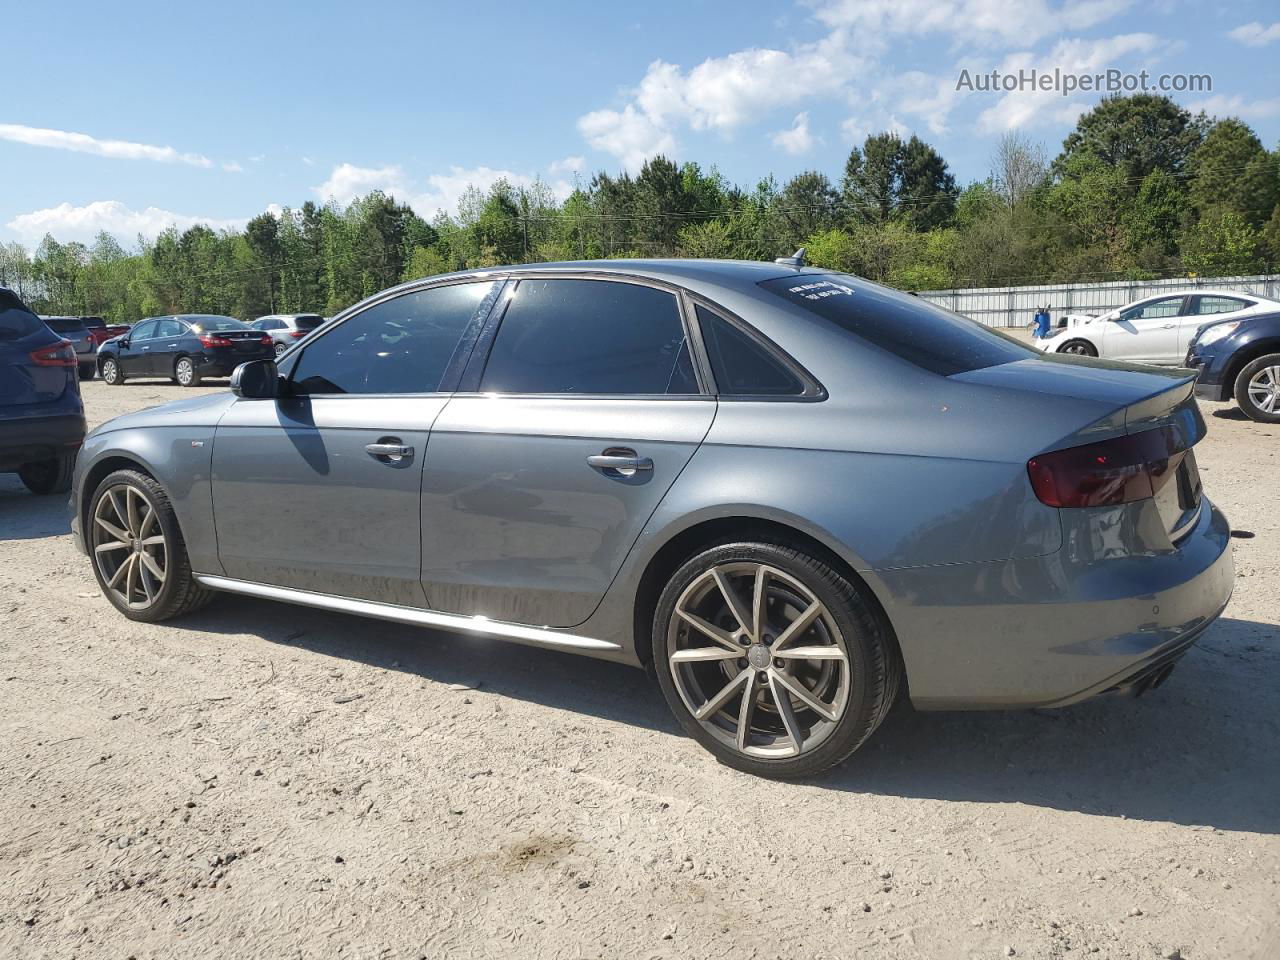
<point x="793" y="494"/>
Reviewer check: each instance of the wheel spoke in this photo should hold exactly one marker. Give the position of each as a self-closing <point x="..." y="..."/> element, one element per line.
<point x="799" y="625"/>
<point x="700" y="654"/>
<point x="735" y="603"/>
<point x="112" y="529"/>
<point x="711" y="630"/>
<point x="786" y="711"/>
<point x="121" y="516"/>
<point x="721" y="698"/>
<point x="131" y="578"/>
<point x="803" y="694"/>
<point x="829" y="652"/>
<point x="131" y="507"/>
<point x="144" y="578"/>
<point x="758" y="598"/>
<point x="152" y="541"/>
<point x="149" y="562"/>
<point x="747" y="709"/>
<point x="147" y="520"/>
<point x="121" y="570"/>
<point x="111" y="545"/>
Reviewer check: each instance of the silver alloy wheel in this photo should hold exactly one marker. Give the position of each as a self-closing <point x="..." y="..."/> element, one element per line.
<point x="1264" y="389"/>
<point x="109" y="371"/>
<point x="1077" y="349"/>
<point x="129" y="547"/>
<point x="758" y="660"/>
<point x="280" y="348"/>
<point x="186" y="370"/>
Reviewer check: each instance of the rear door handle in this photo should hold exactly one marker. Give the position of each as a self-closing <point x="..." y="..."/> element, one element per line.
<point x="391" y="451"/>
<point x="620" y="461"/>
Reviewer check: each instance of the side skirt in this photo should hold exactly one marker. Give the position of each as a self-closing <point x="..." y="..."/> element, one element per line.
<point x="520" y="633"/>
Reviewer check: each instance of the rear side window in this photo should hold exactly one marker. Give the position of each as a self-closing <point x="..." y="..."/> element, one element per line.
<point x="402" y="345"/>
<point x="920" y="332"/>
<point x="16" y="321"/>
<point x="64" y="324"/>
<point x="590" y="337"/>
<point x="742" y="366"/>
<point x="1211" y="305"/>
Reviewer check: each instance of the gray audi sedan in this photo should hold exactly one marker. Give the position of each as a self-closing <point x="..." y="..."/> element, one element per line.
<point x="792" y="494"/>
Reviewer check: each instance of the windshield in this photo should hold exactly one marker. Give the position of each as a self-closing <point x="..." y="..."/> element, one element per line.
<point x="16" y="321"/>
<point x="215" y="324"/>
<point x="920" y="332"/>
<point x="309" y="322"/>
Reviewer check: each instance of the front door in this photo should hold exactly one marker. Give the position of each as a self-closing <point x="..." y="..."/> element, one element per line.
<point x="319" y="490"/>
<point x="1146" y="332"/>
<point x="540" y="481"/>
<point x="164" y="347"/>
<point x="134" y="357"/>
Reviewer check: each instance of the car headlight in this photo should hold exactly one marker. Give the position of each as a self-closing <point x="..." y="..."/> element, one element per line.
<point x="1214" y="333"/>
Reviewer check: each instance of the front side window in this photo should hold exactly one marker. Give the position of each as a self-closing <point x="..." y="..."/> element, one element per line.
<point x="598" y="337"/>
<point x="402" y="345"/>
<point x="1154" y="310"/>
<point x="143" y="331"/>
<point x="1211" y="305"/>
<point x="742" y="366"/>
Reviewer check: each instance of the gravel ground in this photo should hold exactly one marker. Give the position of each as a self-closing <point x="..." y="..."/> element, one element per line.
<point x="261" y="780"/>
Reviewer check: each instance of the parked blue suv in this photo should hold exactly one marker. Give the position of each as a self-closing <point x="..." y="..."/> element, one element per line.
<point x="41" y="413"/>
<point x="1241" y="359"/>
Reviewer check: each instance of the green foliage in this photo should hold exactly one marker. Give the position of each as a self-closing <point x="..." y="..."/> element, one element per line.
<point x="1142" y="189"/>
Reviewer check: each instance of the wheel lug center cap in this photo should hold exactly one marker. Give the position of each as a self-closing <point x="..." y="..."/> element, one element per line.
<point x="758" y="656"/>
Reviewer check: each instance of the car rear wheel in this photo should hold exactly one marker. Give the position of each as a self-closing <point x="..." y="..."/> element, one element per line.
<point x="772" y="659"/>
<point x="48" y="476"/>
<point x="139" y="556"/>
<point x="185" y="372"/>
<point x="111" y="372"/>
<point x="1079" y="348"/>
<point x="280" y="348"/>
<point x="87" y="371"/>
<point x="1258" y="389"/>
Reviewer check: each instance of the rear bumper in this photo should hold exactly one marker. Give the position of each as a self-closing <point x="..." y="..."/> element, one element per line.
<point x="1058" y="629"/>
<point x="222" y="365"/>
<point x="32" y="439"/>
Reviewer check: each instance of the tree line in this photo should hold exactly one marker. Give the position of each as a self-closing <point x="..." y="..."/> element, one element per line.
<point x="1141" y="189"/>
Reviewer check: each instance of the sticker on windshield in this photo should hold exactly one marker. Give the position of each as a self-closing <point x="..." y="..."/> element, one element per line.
<point x="821" y="289"/>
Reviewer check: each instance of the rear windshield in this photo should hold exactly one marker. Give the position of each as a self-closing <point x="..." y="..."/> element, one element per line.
<point x="16" y="321"/>
<point x="64" y="324"/>
<point x="309" y="322"/>
<point x="916" y="330"/>
<point x="215" y="323"/>
<point x="94" y="323"/>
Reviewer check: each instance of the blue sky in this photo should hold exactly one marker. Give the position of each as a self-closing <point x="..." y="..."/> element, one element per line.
<point x="130" y="116"/>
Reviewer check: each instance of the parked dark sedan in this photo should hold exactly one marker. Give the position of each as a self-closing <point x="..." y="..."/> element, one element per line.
<point x="1241" y="359"/>
<point x="75" y="330"/>
<point x="41" y="413"/>
<point x="185" y="348"/>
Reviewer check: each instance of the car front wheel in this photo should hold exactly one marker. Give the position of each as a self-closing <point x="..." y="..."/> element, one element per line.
<point x="139" y="556"/>
<point x="186" y="373"/>
<point x="111" y="372"/>
<point x="772" y="659"/>
<point x="1079" y="348"/>
<point x="1257" y="389"/>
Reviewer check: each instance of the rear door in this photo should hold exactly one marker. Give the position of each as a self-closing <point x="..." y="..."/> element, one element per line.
<point x="1146" y="332"/>
<point x="319" y="489"/>
<point x="574" y="426"/>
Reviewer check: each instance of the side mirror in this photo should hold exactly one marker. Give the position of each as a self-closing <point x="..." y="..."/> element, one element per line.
<point x="256" y="380"/>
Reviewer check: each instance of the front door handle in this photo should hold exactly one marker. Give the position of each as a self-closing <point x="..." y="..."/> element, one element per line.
<point x="620" y="462"/>
<point x="392" y="451"/>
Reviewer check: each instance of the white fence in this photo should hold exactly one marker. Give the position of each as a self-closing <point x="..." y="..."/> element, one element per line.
<point x="1016" y="306"/>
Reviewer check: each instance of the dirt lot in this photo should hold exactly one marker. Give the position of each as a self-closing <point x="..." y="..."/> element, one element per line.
<point x="260" y="780"/>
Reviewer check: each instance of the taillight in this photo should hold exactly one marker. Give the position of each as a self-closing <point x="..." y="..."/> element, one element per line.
<point x="1121" y="470"/>
<point x="61" y="354"/>
<point x="266" y="339"/>
<point x="211" y="340"/>
<point x="298" y="334"/>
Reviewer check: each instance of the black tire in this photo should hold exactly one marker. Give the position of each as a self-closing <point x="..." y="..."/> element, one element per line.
<point x="48" y="476"/>
<point x="280" y="348"/>
<point x="1262" y="367"/>
<point x="180" y="593"/>
<point x="87" y="371"/>
<point x="111" y="372"/>
<point x="872" y="672"/>
<point x="186" y="372"/>
<point x="1079" y="348"/>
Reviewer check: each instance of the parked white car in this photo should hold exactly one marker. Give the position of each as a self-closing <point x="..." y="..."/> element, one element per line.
<point x="1156" y="329"/>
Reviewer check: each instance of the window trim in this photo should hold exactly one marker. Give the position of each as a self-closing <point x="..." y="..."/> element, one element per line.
<point x="453" y="369"/>
<point x="814" y="391"/>
<point x="469" y="384"/>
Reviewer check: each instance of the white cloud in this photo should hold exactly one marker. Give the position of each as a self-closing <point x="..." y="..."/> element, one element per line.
<point x="1255" y="34"/>
<point x="568" y="165"/>
<point x="1037" y="108"/>
<point x="437" y="192"/>
<point x="982" y="22"/>
<point x="1237" y="106"/>
<point x="796" y="139"/>
<point x="67" y="222"/>
<point x="629" y="135"/>
<point x="83" y="143"/>
<point x="232" y="167"/>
